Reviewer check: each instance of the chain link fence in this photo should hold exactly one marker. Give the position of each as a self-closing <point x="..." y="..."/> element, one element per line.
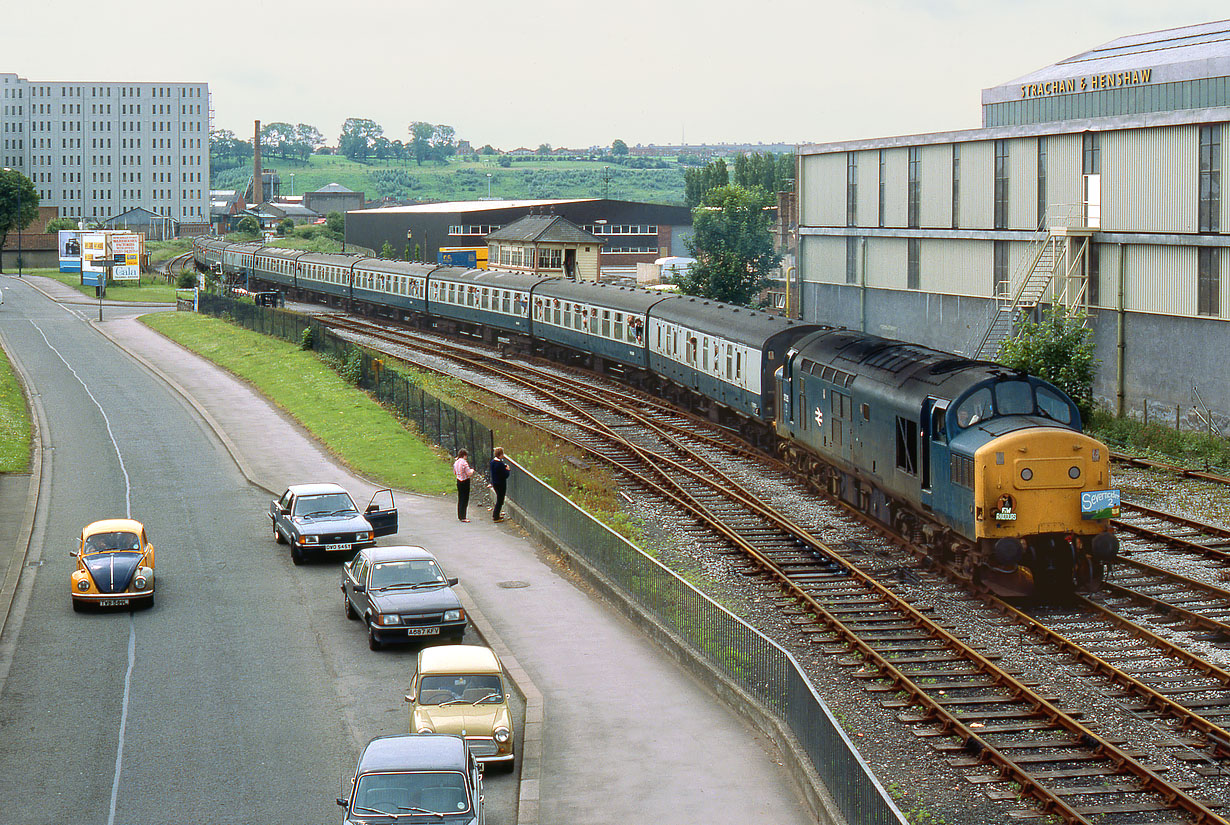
<point x="726" y="643"/>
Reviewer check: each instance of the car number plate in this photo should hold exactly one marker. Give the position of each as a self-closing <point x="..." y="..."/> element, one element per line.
<point x="337" y="547"/>
<point x="113" y="603"/>
<point x="422" y="631"/>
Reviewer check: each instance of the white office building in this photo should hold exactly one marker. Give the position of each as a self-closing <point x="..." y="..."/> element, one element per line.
<point x="95" y="150"/>
<point x="1094" y="182"/>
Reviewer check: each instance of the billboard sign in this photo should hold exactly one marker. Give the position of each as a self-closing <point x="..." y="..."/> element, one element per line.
<point x="69" y="243"/>
<point x="93" y="248"/>
<point x="126" y="251"/>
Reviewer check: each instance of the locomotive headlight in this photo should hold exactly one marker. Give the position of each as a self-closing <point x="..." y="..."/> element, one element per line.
<point x="1074" y="473"/>
<point x="1026" y="474"/>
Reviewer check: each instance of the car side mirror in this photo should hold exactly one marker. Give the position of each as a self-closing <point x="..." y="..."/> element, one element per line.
<point x="409" y="697"/>
<point x="372" y="508"/>
<point x="343" y="802"/>
<point x="452" y="582"/>
<point x="74" y="552"/>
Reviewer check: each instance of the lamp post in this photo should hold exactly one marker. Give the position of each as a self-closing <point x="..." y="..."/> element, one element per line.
<point x="488" y="186"/>
<point x="19" y="225"/>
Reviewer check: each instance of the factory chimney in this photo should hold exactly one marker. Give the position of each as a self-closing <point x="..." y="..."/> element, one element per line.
<point x="258" y="178"/>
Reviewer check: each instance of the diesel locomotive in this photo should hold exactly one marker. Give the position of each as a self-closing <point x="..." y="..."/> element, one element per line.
<point x="985" y="467"/>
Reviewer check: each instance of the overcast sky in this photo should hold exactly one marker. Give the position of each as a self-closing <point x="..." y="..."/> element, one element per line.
<point x="581" y="73"/>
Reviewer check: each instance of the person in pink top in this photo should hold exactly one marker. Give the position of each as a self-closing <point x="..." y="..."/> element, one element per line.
<point x="463" y="471"/>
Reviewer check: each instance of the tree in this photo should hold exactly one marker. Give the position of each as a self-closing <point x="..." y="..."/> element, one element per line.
<point x="696" y="182"/>
<point x="335" y="222"/>
<point x="15" y="187"/>
<point x="56" y="224"/>
<point x="487" y="149"/>
<point x="1059" y="349"/>
<point x="505" y="161"/>
<point x="732" y="245"/>
<point x="277" y="138"/>
<point x="248" y="225"/>
<point x="286" y="227"/>
<point x="619" y="148"/>
<point x="443" y="142"/>
<point x="544" y="149"/>
<point x="420" y="140"/>
<point x="387" y="252"/>
<point x="308" y="139"/>
<point x="358" y="138"/>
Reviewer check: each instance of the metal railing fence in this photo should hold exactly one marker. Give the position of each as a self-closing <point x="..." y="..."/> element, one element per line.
<point x="749" y="659"/>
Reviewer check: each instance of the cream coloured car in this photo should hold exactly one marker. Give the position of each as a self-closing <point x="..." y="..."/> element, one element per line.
<point x="462" y="689"/>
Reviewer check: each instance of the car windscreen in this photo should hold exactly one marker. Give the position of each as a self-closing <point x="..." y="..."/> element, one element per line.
<point x="406" y="573"/>
<point x="461" y="688"/>
<point x="111" y="542"/>
<point x="417" y="792"/>
<point x="323" y="505"/>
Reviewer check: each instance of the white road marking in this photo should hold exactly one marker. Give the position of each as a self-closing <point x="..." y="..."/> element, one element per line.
<point x="132" y="624"/>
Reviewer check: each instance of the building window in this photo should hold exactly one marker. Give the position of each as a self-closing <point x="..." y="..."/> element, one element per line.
<point x="883" y="170"/>
<point x="956" y="185"/>
<point x="913" y="189"/>
<point x="851" y="189"/>
<point x="1208" y="281"/>
<point x="1092" y="282"/>
<point x="1091" y="153"/>
<point x="1042" y="220"/>
<point x="913" y="253"/>
<point x="1210" y="178"/>
<point x="851" y="260"/>
<point x="1001" y="184"/>
<point x="1000" y="269"/>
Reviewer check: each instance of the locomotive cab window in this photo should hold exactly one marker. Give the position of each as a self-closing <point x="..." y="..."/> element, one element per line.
<point x="907" y="446"/>
<point x="1014" y="398"/>
<point x="1053" y="405"/>
<point x="977" y="407"/>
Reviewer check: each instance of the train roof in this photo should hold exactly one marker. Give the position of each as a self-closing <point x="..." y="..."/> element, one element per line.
<point x="497" y="278"/>
<point x="412" y="268"/>
<point x="740" y="324"/>
<point x="622" y="298"/>
<point x="895" y="363"/>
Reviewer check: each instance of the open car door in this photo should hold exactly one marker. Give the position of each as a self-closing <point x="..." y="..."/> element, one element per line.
<point x="383" y="520"/>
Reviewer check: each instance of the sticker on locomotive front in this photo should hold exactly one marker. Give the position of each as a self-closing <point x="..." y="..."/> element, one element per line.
<point x="1096" y="504"/>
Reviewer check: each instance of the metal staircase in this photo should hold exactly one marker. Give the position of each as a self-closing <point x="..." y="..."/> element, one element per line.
<point x="1054" y="273"/>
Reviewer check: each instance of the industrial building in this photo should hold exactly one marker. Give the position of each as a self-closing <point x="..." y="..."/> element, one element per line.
<point x="634" y="232"/>
<point x="96" y="150"/>
<point x="1094" y="182"/>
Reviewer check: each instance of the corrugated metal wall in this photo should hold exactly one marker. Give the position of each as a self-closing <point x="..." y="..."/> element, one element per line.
<point x="978" y="185"/>
<point x="822" y="259"/>
<point x="1063" y="179"/>
<point x="896" y="176"/>
<point x="1160" y="279"/>
<point x="886" y="263"/>
<point x="1149" y="179"/>
<point x="956" y="267"/>
<point x="824" y="190"/>
<point x="1022" y="183"/>
<point x="936" y="207"/>
<point x="868" y="188"/>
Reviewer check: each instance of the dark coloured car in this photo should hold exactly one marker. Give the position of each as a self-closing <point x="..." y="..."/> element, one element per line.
<point x="414" y="778"/>
<point x="323" y="519"/>
<point x="402" y="595"/>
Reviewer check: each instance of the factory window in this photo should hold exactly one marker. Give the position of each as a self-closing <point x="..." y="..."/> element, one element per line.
<point x="913" y="253"/>
<point x="1094" y="273"/>
<point x="913" y="189"/>
<point x="883" y="170"/>
<point x="1210" y="178"/>
<point x="851" y="189"/>
<point x="1208" y="281"/>
<point x="851" y="260"/>
<point x="1000" y="269"/>
<point x="1091" y="153"/>
<point x="1042" y="222"/>
<point x="1001" y="184"/>
<point x="907" y="446"/>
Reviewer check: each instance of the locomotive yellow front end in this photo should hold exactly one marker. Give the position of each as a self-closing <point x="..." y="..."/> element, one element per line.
<point x="1042" y="510"/>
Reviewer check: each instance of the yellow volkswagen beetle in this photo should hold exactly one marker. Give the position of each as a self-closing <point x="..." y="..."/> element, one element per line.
<point x="115" y="565"/>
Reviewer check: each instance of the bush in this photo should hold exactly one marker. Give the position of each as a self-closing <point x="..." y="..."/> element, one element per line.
<point x="186" y="280"/>
<point x="248" y="224"/>
<point x="352" y="369"/>
<point x="308" y="339"/>
<point x="285" y="227"/>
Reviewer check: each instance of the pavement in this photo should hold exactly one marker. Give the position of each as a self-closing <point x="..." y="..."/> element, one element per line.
<point x="615" y="730"/>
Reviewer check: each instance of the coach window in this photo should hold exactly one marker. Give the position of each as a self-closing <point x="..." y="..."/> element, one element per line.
<point x="452" y="293"/>
<point x="556" y="318"/>
<point x="619" y="326"/>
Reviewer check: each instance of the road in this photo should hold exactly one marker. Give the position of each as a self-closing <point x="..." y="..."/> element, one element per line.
<point x="243" y="695"/>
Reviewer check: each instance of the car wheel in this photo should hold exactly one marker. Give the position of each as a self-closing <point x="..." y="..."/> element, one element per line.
<point x="350" y="614"/>
<point x="372" y="641"/>
<point x="296" y="554"/>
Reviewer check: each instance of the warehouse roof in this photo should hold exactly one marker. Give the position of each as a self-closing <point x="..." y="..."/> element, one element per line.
<point x="471" y="206"/>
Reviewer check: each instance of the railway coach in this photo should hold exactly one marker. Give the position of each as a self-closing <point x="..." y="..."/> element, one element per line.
<point x="604" y="326"/>
<point x="480" y="302"/>
<point x="983" y="465"/>
<point x="724" y="355"/>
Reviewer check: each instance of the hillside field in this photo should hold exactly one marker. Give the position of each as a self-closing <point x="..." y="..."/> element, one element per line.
<point x="467" y="180"/>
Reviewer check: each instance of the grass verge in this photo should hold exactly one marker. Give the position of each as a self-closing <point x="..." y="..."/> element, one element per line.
<point x="352" y="426"/>
<point x="1193" y="449"/>
<point x="15" y="431"/>
<point x="150" y="289"/>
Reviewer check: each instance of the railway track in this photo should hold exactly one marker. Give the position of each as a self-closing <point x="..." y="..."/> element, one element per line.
<point x="984" y="714"/>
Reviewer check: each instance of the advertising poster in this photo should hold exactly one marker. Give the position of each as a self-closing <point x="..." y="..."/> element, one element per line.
<point x="69" y="242"/>
<point x="126" y="251"/>
<point x="93" y="248"/>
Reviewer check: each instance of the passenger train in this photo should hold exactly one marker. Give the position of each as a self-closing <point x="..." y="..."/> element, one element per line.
<point x="985" y="467"/>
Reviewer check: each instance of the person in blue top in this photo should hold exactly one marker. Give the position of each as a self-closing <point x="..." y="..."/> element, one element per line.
<point x="497" y="474"/>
